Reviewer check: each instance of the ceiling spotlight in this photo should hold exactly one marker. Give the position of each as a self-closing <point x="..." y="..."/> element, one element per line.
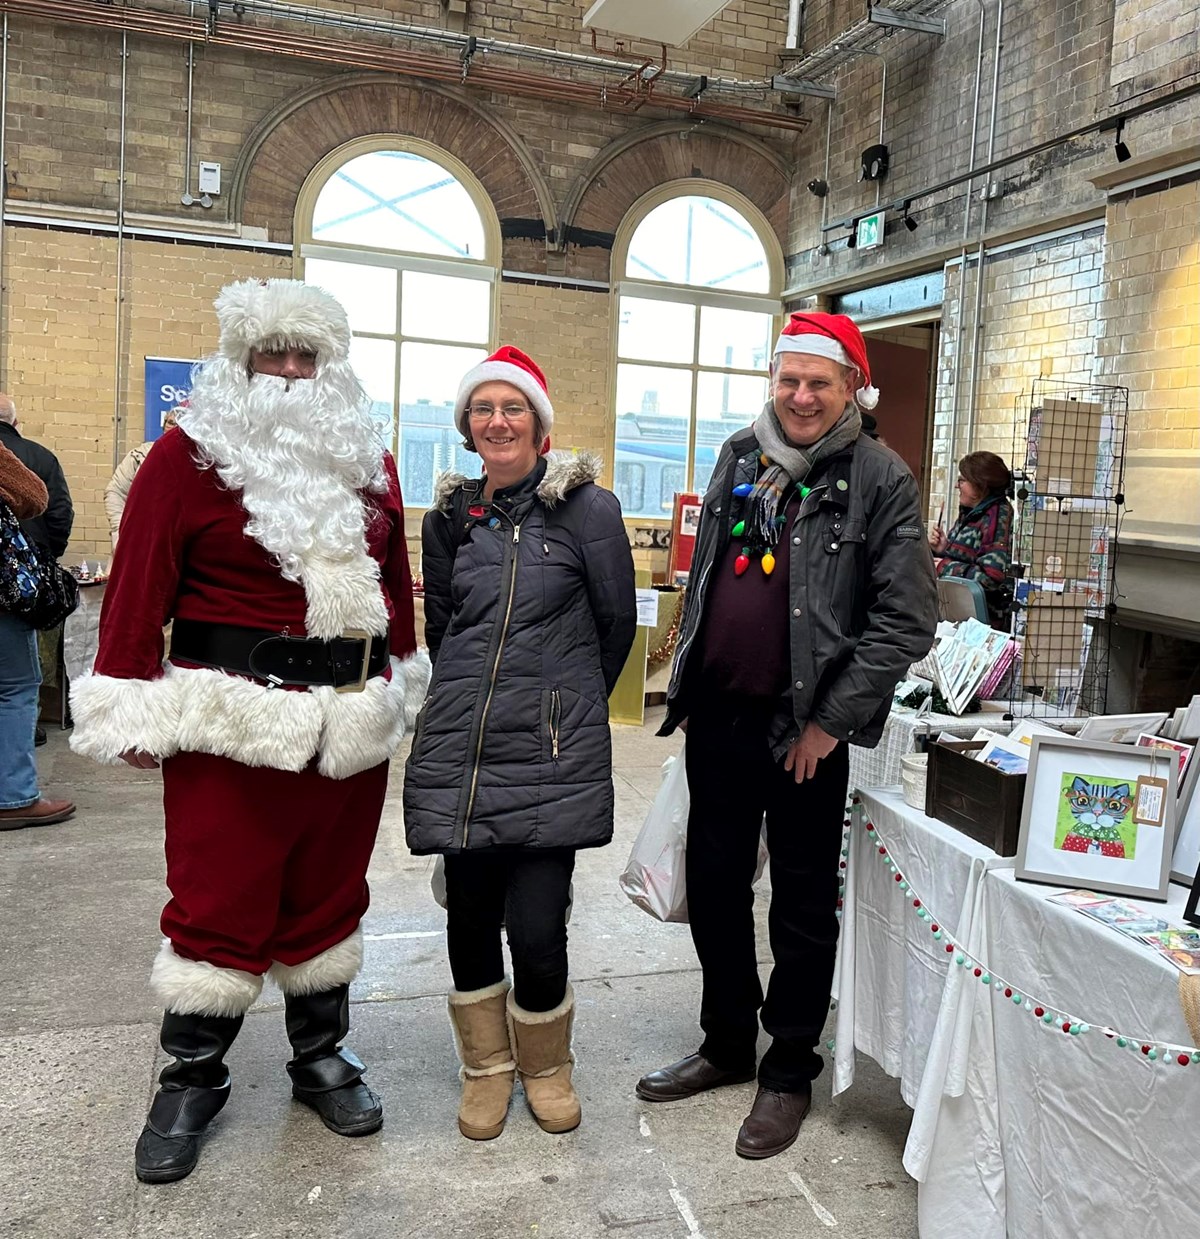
<point x="852" y="239"/>
<point x="908" y="221"/>
<point x="817" y="187"/>
<point x="1121" y="151"/>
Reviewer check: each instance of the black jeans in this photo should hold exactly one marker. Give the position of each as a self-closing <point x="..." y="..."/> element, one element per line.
<point x="526" y="892"/>
<point x="733" y="781"/>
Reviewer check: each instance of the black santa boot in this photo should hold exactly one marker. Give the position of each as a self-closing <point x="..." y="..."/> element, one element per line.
<point x="192" y="1091"/>
<point x="325" y="1075"/>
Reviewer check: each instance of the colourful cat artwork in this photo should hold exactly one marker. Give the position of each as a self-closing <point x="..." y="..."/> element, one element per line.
<point x="1097" y="811"/>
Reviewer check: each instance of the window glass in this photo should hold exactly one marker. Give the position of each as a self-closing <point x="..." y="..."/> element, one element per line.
<point x="446" y="307"/>
<point x="429" y="441"/>
<point x="374" y="362"/>
<point x="725" y="404"/>
<point x="368" y="294"/>
<point x="398" y="200"/>
<point x="653" y="415"/>
<point x="739" y="339"/>
<point x="656" y="330"/>
<point x="697" y="240"/>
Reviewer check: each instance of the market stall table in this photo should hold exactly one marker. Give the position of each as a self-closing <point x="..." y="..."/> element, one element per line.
<point x="1018" y="1126"/>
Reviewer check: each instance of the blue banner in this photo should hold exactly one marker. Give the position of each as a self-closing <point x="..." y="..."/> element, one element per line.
<point x="168" y="383"/>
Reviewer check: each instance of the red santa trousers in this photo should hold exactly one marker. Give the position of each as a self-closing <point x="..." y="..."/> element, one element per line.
<point x="265" y="865"/>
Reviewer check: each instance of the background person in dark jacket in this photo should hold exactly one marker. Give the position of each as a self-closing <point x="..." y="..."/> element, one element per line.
<point x="51" y="530"/>
<point x="810" y="593"/>
<point x="530" y="614"/>
<point x="21" y="804"/>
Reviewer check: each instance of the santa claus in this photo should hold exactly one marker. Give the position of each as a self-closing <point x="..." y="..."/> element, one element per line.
<point x="269" y="527"/>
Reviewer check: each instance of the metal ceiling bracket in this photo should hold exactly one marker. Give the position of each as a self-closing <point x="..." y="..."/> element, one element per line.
<point x="880" y="16"/>
<point x="802" y="86"/>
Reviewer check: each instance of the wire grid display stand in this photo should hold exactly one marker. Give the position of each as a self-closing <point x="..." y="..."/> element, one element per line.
<point x="1070" y="497"/>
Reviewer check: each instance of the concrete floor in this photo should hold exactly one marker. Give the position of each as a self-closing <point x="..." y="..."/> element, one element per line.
<point x="79" y="905"/>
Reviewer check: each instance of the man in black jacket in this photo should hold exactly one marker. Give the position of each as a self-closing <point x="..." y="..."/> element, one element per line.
<point x="52" y="530"/>
<point x="810" y="593"/>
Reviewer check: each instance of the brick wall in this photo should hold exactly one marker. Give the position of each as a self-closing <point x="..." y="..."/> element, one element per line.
<point x="1148" y="340"/>
<point x="1037" y="320"/>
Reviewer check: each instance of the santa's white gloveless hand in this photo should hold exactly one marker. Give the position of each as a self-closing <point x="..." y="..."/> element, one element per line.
<point x="803" y="754"/>
<point x="139" y="759"/>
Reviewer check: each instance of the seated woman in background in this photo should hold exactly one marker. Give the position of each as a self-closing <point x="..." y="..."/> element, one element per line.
<point x="979" y="544"/>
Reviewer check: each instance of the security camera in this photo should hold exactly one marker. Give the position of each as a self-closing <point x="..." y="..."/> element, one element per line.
<point x="817" y="187"/>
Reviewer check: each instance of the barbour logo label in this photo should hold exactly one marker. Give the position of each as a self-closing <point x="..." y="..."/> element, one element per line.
<point x="908" y="531"/>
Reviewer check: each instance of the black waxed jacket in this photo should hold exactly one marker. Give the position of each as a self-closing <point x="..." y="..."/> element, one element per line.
<point x="528" y="624"/>
<point x="862" y="590"/>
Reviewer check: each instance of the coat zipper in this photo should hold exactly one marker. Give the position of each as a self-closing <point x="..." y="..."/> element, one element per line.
<point x="487" y="704"/>
<point x="555" y="720"/>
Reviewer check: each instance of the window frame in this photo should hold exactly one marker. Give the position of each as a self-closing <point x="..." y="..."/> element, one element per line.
<point x="486" y="267"/>
<point x="624" y="285"/>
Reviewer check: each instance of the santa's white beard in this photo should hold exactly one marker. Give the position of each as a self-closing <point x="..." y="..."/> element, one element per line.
<point x="299" y="451"/>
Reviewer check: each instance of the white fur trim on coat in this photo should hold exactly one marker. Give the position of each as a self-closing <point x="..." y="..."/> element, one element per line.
<point x="503" y="372"/>
<point x="193" y="987"/>
<point x="341" y="594"/>
<point x="338" y="965"/>
<point x="201" y="710"/>
<point x="281" y="314"/>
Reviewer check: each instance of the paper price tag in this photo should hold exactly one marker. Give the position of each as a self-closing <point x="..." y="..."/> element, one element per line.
<point x="1150" y="803"/>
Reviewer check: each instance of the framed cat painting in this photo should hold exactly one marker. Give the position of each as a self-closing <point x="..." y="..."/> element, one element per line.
<point x="1098" y="816"/>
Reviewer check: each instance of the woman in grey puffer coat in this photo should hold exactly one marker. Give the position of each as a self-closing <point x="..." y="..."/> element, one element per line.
<point x="530" y="613"/>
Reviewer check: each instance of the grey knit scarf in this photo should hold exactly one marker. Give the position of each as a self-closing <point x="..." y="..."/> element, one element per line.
<point x="788" y="465"/>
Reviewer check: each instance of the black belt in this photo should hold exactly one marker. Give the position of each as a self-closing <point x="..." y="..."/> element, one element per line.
<point x="345" y="662"/>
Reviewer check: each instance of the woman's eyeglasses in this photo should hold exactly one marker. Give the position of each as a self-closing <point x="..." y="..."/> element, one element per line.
<point x="510" y="412"/>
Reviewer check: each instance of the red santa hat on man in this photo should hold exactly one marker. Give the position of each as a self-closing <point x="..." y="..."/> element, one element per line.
<point x="833" y="336"/>
<point x="507" y="365"/>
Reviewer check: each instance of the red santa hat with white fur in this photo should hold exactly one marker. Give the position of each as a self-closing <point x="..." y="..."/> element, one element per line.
<point x="507" y="365"/>
<point x="833" y="336"/>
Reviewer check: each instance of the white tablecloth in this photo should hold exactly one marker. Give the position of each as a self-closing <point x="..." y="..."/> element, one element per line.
<point x="1018" y="1128"/>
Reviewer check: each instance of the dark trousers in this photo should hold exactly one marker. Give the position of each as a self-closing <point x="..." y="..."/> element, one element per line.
<point x="733" y="781"/>
<point x="526" y="892"/>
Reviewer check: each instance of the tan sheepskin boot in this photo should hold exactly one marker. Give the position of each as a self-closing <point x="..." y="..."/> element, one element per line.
<point x="488" y="1069"/>
<point x="542" y="1043"/>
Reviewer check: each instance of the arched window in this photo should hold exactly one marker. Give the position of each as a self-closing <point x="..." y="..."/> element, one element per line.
<point x="406" y="238"/>
<point x="698" y="275"/>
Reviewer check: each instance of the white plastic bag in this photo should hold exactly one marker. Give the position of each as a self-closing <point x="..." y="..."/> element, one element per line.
<point x="654" y="876"/>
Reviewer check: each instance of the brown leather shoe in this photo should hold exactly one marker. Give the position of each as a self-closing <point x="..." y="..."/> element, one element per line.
<point x="40" y="813"/>
<point x="691" y="1075"/>
<point x="773" y="1123"/>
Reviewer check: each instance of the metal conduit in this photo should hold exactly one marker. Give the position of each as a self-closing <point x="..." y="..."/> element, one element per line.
<point x="118" y="334"/>
<point x="452" y="38"/>
<point x="629" y="96"/>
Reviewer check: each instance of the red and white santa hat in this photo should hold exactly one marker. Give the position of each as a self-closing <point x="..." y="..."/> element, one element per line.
<point x="833" y="336"/>
<point x="507" y="365"/>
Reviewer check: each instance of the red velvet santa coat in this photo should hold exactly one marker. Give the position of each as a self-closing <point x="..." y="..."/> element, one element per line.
<point x="184" y="555"/>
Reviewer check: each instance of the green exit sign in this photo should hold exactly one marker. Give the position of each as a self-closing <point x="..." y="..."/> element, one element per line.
<point x="870" y="230"/>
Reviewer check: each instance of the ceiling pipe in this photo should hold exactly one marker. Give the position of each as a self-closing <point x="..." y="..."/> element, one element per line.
<point x="154" y="24"/>
<point x="792" y="40"/>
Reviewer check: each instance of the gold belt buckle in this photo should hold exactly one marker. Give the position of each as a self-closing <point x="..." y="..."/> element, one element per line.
<point x="357" y="634"/>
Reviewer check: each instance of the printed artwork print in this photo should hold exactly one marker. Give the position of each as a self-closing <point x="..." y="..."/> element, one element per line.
<point x="1094" y="817"/>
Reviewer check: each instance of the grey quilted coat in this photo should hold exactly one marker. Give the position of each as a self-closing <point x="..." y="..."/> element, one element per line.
<point x="530" y="613"/>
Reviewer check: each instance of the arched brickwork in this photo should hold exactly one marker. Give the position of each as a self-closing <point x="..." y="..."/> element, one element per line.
<point x="290" y="142"/>
<point x="637" y="163"/>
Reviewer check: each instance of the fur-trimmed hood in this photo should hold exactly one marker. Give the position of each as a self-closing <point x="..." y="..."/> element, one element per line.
<point x="565" y="471"/>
